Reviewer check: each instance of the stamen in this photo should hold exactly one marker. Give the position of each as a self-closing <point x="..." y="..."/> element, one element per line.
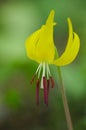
<point x="44" y="69"/>
<point x="37" y="91"/>
<point x="33" y="78"/>
<point x="45" y="91"/>
<point x="52" y="82"/>
<point x="39" y="71"/>
<point x="48" y="70"/>
<point x="38" y="68"/>
<point x="42" y="83"/>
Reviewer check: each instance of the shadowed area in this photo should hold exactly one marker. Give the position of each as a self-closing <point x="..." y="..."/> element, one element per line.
<point x="18" y="108"/>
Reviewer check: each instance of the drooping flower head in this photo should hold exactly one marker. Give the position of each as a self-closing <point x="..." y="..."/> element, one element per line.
<point x="40" y="47"/>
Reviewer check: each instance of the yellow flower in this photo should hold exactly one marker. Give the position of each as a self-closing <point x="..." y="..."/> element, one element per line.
<point x="40" y="48"/>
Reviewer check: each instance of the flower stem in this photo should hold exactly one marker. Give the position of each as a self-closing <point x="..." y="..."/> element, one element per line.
<point x="65" y="103"/>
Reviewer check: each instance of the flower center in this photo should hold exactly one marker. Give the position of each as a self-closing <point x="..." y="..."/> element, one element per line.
<point x="43" y="81"/>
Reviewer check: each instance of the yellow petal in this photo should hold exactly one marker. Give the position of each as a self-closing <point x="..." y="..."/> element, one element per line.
<point x="71" y="50"/>
<point x="40" y="45"/>
<point x="31" y="43"/>
<point x="70" y="38"/>
<point x="45" y="47"/>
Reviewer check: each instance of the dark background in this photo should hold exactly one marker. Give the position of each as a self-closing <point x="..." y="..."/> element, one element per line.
<point x="18" y="109"/>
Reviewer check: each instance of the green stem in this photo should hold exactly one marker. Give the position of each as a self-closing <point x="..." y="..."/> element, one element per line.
<point x="65" y="103"/>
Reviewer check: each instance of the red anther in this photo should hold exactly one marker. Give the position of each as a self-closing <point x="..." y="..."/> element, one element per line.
<point x="45" y="91"/>
<point x="37" y="91"/>
<point x="48" y="85"/>
<point x="52" y="82"/>
<point x="33" y="78"/>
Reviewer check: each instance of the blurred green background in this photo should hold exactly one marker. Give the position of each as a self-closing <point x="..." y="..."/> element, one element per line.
<point x="18" y="109"/>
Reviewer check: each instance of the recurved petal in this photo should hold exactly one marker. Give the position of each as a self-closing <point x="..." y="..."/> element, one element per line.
<point x="50" y="18"/>
<point x="45" y="46"/>
<point x="40" y="45"/>
<point x="70" y="53"/>
<point x="70" y="38"/>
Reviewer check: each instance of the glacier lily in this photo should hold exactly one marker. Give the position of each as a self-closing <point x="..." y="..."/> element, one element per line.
<point x="40" y="47"/>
